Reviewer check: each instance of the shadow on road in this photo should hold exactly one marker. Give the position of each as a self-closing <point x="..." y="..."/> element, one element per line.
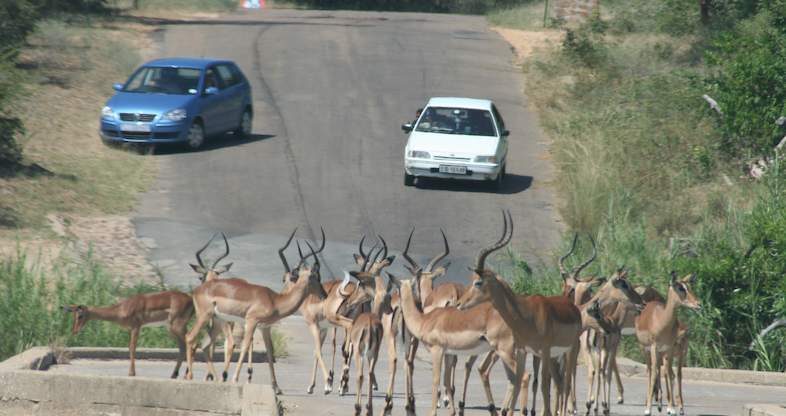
<point x="513" y="184"/>
<point x="213" y="143"/>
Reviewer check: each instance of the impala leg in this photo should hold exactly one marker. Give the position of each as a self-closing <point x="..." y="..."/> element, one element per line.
<point x="536" y="364"/>
<point x="229" y="347"/>
<point x="392" y="361"/>
<point x="449" y="365"/>
<point x="545" y="384"/>
<point x="683" y="352"/>
<point x="191" y="343"/>
<point x="132" y="351"/>
<point x="410" y="368"/>
<point x="437" y="357"/>
<point x="177" y="329"/>
<point x="319" y="338"/>
<point x="652" y="374"/>
<point x="359" y="362"/>
<point x="372" y="364"/>
<point x="618" y="380"/>
<point x="485" y="371"/>
<point x="519" y="366"/>
<point x="248" y="336"/>
<point x="669" y="375"/>
<point x="334" y="330"/>
<point x="467" y="371"/>
<point x="267" y="336"/>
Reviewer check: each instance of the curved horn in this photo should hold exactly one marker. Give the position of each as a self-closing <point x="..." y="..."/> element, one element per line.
<point x="199" y="252"/>
<point x="360" y="247"/>
<point x="322" y="246"/>
<point x="300" y="251"/>
<point x="590" y="260"/>
<point x="409" y="259"/>
<point x="226" y="252"/>
<point x="281" y="251"/>
<point x="562" y="269"/>
<point x="435" y="260"/>
<point x="314" y="254"/>
<point x="367" y="256"/>
<point x="481" y="260"/>
<point x="384" y="246"/>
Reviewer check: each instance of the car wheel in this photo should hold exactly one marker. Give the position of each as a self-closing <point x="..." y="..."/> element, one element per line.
<point x="246" y="122"/>
<point x="498" y="183"/>
<point x="196" y="135"/>
<point x="409" y="180"/>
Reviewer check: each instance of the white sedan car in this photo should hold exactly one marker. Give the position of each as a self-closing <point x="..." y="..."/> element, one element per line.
<point x="456" y="138"/>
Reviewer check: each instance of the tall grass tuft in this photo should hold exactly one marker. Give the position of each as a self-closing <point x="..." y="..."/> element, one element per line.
<point x="31" y="301"/>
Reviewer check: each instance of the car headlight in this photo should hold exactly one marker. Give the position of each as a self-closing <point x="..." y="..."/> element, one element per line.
<point x="419" y="154"/>
<point x="486" y="159"/>
<point x="178" y="114"/>
<point x="107" y="112"/>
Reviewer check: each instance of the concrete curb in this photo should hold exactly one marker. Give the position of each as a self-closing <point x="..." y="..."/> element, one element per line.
<point x="763" y="410"/>
<point x="41" y="358"/>
<point x="23" y="391"/>
<point x="764" y="378"/>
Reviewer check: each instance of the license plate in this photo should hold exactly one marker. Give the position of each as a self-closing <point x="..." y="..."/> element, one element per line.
<point x="135" y="127"/>
<point x="453" y="170"/>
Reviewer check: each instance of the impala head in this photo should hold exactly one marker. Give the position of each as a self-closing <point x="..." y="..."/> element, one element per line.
<point x="593" y="318"/>
<point x="376" y="265"/>
<point x="291" y="274"/>
<point x="573" y="285"/>
<point x="310" y="272"/>
<point x="682" y="289"/>
<point x="429" y="272"/>
<point x="356" y="293"/>
<point x="211" y="273"/>
<point x="485" y="283"/>
<point x="619" y="289"/>
<point x="80" y="316"/>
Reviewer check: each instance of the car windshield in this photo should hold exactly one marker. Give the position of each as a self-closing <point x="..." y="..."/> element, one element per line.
<point x="448" y="120"/>
<point x="164" y="80"/>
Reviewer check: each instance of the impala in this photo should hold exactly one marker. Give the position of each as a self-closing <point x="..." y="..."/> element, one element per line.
<point x="547" y="326"/>
<point x="366" y="335"/>
<point x="171" y="308"/>
<point x="657" y="328"/>
<point x="446" y="294"/>
<point x="238" y="300"/>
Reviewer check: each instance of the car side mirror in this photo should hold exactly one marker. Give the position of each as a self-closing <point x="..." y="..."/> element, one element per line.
<point x="505" y="133"/>
<point x="211" y="91"/>
<point x="117" y="86"/>
<point x="407" y="127"/>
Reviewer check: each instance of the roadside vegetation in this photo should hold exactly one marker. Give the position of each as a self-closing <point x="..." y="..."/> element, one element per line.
<point x="31" y="301"/>
<point x="657" y="176"/>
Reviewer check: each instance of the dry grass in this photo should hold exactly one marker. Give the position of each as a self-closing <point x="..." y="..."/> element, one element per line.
<point x="69" y="72"/>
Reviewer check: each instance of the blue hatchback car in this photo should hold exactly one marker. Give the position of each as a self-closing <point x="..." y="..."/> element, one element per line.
<point x="179" y="100"/>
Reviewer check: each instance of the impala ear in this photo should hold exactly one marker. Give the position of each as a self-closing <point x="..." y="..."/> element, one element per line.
<point x="345" y="282"/>
<point x="690" y="279"/>
<point x="197" y="268"/>
<point x="598" y="281"/>
<point x="673" y="278"/>
<point x="68" y="309"/>
<point x="393" y="279"/>
<point x="224" y="268"/>
<point x="390" y="259"/>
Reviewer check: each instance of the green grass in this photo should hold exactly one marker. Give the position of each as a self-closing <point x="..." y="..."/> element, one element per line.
<point x="525" y="16"/>
<point x="31" y="313"/>
<point x="73" y="62"/>
<point x="640" y="166"/>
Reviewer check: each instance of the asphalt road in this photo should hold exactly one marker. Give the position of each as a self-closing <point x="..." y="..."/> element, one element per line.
<point x="331" y="90"/>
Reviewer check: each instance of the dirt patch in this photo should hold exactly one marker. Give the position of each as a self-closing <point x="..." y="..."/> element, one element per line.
<point x="527" y="42"/>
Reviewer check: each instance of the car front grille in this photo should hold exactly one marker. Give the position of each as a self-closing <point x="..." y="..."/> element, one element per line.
<point x="137" y="117"/>
<point x="136" y="134"/>
<point x="453" y="158"/>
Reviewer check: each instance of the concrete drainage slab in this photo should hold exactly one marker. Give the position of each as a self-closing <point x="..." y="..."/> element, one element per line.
<point x="33" y="383"/>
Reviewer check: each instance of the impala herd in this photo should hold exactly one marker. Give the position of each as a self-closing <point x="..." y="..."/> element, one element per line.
<point x="484" y="318"/>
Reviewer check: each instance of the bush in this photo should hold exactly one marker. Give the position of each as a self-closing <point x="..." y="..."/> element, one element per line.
<point x="10" y="151"/>
<point x="750" y="84"/>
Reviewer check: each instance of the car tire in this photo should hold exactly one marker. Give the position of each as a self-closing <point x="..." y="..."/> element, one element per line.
<point x="243" y="130"/>
<point x="409" y="180"/>
<point x="500" y="181"/>
<point x="196" y="135"/>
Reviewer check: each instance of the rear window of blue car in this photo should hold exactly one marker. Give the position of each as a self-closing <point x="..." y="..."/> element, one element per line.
<point x="164" y="80"/>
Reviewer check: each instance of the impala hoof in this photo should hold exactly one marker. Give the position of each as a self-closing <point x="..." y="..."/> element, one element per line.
<point x="328" y="388"/>
<point x="224" y="376"/>
<point x="357" y="409"/>
<point x="330" y="378"/>
<point x="647" y="412"/>
<point x="461" y="405"/>
<point x="310" y="389"/>
<point x="670" y="411"/>
<point x="682" y="412"/>
<point x="209" y="377"/>
<point x="660" y="407"/>
<point x="504" y="412"/>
